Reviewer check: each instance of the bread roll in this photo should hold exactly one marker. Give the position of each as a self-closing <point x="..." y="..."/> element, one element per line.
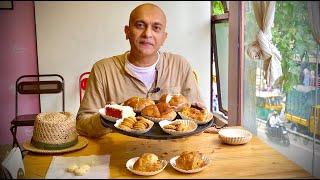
<point x="138" y="103"/>
<point x="176" y="101"/>
<point x="148" y="162"/>
<point x="160" y="110"/>
<point x="190" y="160"/>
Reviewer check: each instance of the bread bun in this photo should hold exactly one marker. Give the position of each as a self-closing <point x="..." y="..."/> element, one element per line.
<point x="160" y="110"/>
<point x="138" y="103"/>
<point x="176" y="101"/>
<point x="148" y="162"/>
<point x="190" y="160"/>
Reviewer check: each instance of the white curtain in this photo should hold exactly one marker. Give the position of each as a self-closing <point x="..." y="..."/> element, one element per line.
<point x="262" y="48"/>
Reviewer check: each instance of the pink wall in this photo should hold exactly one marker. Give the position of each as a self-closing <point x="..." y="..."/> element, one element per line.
<point x="18" y="56"/>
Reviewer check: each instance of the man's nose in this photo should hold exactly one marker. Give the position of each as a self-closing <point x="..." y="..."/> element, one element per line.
<point x="148" y="32"/>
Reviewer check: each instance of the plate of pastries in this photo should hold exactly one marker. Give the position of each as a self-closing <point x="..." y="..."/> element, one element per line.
<point x="147" y="164"/>
<point x="200" y="116"/>
<point x="133" y="124"/>
<point x="190" y="162"/>
<point x="178" y="127"/>
<point x="152" y="119"/>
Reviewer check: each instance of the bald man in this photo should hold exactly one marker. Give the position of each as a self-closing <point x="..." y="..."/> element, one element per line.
<point x="143" y="71"/>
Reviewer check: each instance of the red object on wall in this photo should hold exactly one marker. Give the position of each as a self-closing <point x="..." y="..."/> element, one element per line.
<point x="83" y="83"/>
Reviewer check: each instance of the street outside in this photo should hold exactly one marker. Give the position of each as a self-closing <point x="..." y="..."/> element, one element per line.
<point x="299" y="151"/>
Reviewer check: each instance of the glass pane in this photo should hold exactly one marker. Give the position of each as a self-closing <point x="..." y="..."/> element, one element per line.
<point x="222" y="38"/>
<point x="284" y="115"/>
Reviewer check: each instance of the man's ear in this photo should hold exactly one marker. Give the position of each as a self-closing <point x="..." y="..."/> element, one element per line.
<point x="126" y="31"/>
<point x="164" y="38"/>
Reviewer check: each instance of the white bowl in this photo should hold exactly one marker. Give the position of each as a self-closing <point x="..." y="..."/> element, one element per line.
<point x="235" y="136"/>
<point x="131" y="162"/>
<point x="209" y="117"/>
<point x="173" y="164"/>
<point x="193" y="126"/>
<point x="119" y="121"/>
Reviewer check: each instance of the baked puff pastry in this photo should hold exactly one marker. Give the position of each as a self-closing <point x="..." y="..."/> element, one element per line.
<point x="138" y="103"/>
<point x="200" y="115"/>
<point x="160" y="110"/>
<point x="148" y="162"/>
<point x="190" y="160"/>
<point x="176" y="101"/>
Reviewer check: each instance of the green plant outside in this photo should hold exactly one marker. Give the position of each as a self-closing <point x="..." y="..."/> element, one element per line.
<point x="291" y="34"/>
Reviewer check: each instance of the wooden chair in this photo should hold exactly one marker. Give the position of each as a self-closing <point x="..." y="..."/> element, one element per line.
<point x="31" y="84"/>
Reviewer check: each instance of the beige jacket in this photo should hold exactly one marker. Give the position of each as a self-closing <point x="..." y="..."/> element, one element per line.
<point x="111" y="81"/>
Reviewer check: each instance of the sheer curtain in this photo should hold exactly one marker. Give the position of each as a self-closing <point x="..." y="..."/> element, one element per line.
<point x="262" y="48"/>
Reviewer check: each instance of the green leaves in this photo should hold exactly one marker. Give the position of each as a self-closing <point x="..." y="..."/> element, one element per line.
<point x="291" y="35"/>
<point x="217" y="8"/>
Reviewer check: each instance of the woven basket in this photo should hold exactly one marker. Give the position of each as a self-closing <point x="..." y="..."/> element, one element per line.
<point x="235" y="136"/>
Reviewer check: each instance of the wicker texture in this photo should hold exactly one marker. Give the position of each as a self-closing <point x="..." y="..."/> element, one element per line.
<point x="54" y="128"/>
<point x="235" y="136"/>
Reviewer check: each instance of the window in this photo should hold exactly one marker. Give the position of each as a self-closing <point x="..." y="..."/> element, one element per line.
<point x="295" y="97"/>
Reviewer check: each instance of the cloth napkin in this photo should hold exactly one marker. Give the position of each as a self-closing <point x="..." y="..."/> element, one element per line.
<point x="14" y="164"/>
<point x="99" y="167"/>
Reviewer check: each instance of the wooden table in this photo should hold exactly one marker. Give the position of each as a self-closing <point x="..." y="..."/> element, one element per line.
<point x="252" y="160"/>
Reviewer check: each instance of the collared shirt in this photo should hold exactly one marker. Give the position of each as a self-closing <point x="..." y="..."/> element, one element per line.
<point x="111" y="81"/>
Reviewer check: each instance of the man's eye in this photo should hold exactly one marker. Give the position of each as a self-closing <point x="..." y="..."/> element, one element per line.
<point x="140" y="25"/>
<point x="157" y="28"/>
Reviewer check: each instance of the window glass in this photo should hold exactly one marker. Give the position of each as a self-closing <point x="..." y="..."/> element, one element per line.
<point x="295" y="101"/>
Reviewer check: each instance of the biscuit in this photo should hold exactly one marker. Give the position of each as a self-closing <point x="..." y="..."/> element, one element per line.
<point x="72" y="168"/>
<point x="124" y="127"/>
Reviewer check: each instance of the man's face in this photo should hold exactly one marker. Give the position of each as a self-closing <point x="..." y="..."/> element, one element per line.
<point x="146" y="31"/>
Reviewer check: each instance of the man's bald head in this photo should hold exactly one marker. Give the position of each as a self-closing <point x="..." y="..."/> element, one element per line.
<point x="146" y="9"/>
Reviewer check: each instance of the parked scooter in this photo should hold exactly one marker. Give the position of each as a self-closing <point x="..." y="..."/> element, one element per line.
<point x="276" y="131"/>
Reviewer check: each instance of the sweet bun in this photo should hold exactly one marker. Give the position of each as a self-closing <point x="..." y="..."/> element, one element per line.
<point x="190" y="160"/>
<point x="138" y="103"/>
<point x="148" y="162"/>
<point x="160" y="110"/>
<point x="176" y="101"/>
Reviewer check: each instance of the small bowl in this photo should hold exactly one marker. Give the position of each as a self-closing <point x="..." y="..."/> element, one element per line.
<point x="193" y="126"/>
<point x="173" y="164"/>
<point x="235" y="136"/>
<point x="118" y="122"/>
<point x="131" y="162"/>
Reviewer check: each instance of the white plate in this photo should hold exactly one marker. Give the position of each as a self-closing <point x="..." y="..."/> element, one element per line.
<point x="118" y="122"/>
<point x="131" y="162"/>
<point x="102" y="112"/>
<point x="209" y="117"/>
<point x="193" y="126"/>
<point x="173" y="164"/>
